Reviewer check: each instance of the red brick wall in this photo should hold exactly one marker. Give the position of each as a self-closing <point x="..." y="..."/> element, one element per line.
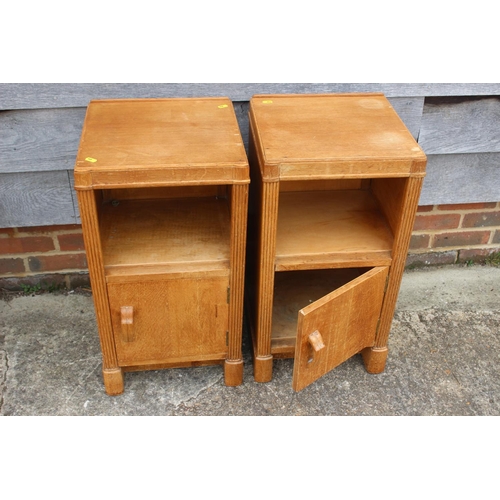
<point x="449" y="234"/>
<point x="443" y="234"/>
<point x="55" y="254"/>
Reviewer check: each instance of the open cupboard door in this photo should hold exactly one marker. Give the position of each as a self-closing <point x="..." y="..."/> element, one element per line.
<point x="337" y="326"/>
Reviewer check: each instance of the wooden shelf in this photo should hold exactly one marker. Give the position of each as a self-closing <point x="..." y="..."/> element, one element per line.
<point x="324" y="229"/>
<point x="165" y="236"/>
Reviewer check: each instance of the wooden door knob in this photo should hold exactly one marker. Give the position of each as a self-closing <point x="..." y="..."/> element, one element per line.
<point x="127" y="321"/>
<point x="127" y="313"/>
<point x="316" y="341"/>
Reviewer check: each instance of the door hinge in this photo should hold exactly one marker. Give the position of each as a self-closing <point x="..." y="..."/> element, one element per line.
<point x="228" y="294"/>
<point x="386" y="283"/>
<point x="227" y="337"/>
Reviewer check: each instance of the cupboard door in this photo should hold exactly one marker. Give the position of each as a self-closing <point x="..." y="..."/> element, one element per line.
<point x="169" y="320"/>
<point x="337" y="326"/>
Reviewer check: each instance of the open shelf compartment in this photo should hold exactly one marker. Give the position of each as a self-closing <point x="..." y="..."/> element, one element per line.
<point x="145" y="236"/>
<point x="323" y="229"/>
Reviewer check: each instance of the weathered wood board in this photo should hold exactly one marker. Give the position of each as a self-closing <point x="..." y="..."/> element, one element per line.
<point x="410" y="111"/>
<point x="76" y="207"/>
<point x="39" y="140"/>
<point x="461" y="178"/>
<point x="461" y="135"/>
<point x="36" y="199"/>
<point x="58" y="95"/>
<point x="47" y="139"/>
<point x="460" y="125"/>
<point x="241" y="111"/>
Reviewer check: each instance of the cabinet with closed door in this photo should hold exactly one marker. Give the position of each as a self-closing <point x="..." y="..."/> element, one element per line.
<point x="335" y="185"/>
<point x="162" y="188"/>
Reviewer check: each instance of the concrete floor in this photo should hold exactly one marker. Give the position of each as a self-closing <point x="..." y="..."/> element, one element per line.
<point x="443" y="360"/>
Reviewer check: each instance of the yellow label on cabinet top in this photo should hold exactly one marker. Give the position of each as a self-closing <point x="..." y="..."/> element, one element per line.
<point x="267" y="102"/>
<point x="91" y="160"/>
<point x="222" y="106"/>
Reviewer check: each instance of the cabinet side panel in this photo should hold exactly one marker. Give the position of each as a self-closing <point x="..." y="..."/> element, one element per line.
<point x="390" y="196"/>
<point x="265" y="271"/>
<point x="239" y="205"/>
<point x="92" y="240"/>
<point x="411" y="194"/>
<point x="263" y="217"/>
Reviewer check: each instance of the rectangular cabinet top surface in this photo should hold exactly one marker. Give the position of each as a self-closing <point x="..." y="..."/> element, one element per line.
<point x="134" y="142"/>
<point x="327" y="134"/>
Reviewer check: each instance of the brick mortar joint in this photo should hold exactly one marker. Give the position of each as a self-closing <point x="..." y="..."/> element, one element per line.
<point x="486" y="246"/>
<point x="49" y="253"/>
<point x="457" y="230"/>
<point x="34" y="234"/>
<point x="34" y="274"/>
<point x="436" y="209"/>
<point x="55" y="241"/>
<point x="461" y="213"/>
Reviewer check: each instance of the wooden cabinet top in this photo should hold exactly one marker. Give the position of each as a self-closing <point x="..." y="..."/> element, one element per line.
<point x="160" y="142"/>
<point x="332" y="135"/>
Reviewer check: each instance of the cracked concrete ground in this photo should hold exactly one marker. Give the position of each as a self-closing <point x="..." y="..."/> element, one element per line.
<point x="444" y="359"/>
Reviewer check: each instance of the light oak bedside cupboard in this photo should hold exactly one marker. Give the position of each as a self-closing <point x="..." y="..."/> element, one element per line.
<point x="162" y="188"/>
<point x="335" y="185"/>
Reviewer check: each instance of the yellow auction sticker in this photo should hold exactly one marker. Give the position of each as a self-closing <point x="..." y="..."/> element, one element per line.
<point x="267" y="102"/>
<point x="222" y="106"/>
<point x="91" y="160"/>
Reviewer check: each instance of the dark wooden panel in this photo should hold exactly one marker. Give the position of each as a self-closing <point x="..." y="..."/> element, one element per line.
<point x="241" y="111"/>
<point x="55" y="95"/>
<point x="76" y="207"/>
<point x="36" y="199"/>
<point x="37" y="140"/>
<point x="461" y="125"/>
<point x="462" y="178"/>
<point x="409" y="110"/>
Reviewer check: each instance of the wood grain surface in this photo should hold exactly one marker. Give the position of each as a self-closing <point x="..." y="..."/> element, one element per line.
<point x="35" y="198"/>
<point x="55" y="95"/>
<point x="322" y="228"/>
<point x="460" y="125"/>
<point x="41" y="125"/>
<point x="295" y="130"/>
<point x="175" y="320"/>
<point x="461" y="178"/>
<point x="347" y="321"/>
<point x="179" y="234"/>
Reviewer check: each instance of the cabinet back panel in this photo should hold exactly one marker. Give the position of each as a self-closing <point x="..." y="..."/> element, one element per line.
<point x="324" y="185"/>
<point x="165" y="192"/>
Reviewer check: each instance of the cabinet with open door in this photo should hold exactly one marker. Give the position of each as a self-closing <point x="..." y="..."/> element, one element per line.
<point x="335" y="187"/>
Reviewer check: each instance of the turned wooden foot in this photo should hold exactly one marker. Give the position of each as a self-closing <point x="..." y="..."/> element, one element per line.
<point x="113" y="381"/>
<point x="263" y="368"/>
<point x="233" y="372"/>
<point x="375" y="358"/>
